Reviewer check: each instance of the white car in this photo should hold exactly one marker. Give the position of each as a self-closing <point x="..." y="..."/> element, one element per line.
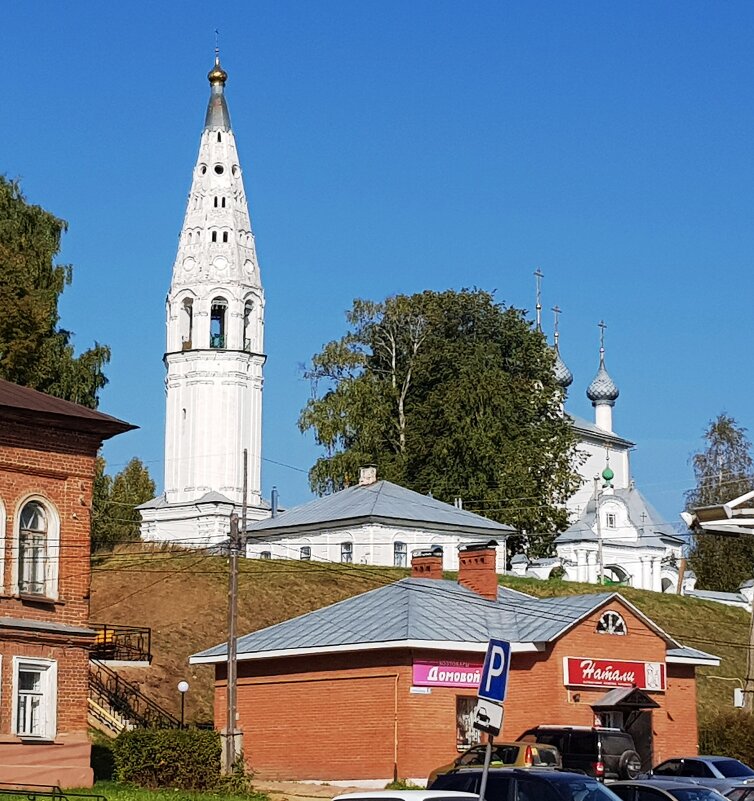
<point x="408" y="795"/>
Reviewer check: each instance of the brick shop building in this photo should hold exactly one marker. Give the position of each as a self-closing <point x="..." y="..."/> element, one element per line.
<point x="382" y="685"/>
<point x="47" y="458"/>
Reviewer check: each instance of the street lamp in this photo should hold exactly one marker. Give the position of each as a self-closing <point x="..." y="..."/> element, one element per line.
<point x="183" y="688"/>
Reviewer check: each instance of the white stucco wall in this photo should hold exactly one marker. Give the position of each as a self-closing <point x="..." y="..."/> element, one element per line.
<point x="372" y="544"/>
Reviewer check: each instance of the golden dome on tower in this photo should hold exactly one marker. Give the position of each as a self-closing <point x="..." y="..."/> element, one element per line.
<point x="217" y="74"/>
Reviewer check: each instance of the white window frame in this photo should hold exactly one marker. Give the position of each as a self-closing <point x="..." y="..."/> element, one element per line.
<point x="403" y="553"/>
<point x="611" y="623"/>
<point x="346" y="547"/>
<point x="49" y="672"/>
<point x="52" y="548"/>
<point x="308" y="556"/>
<point x="610" y="520"/>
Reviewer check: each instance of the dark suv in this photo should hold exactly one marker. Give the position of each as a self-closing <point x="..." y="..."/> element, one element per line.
<point x="516" y="784"/>
<point x="600" y="752"/>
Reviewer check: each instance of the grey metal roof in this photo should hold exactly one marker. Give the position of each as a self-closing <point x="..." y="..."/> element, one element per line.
<point x="587" y="427"/>
<point x="381" y="501"/>
<point x="715" y="595"/>
<point x="43" y="625"/>
<point x="161" y="501"/>
<point x="641" y="513"/>
<point x="421" y="609"/>
<point x="689" y="653"/>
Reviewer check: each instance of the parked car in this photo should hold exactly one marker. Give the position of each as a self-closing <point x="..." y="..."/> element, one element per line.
<point x="515" y="784"/>
<point x="407" y="795"/>
<point x="720" y="773"/>
<point x="600" y="752"/>
<point x="677" y="790"/>
<point x="509" y="755"/>
<point x="741" y="792"/>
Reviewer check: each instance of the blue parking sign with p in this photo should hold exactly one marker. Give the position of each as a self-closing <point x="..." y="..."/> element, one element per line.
<point x="494" y="683"/>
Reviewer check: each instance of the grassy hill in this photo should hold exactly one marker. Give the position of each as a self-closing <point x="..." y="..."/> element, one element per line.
<point x="182" y="597"/>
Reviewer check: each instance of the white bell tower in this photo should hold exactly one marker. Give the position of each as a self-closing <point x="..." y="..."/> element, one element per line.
<point x="215" y="349"/>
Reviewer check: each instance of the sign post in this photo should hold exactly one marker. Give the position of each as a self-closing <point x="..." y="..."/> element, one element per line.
<point x="493" y="688"/>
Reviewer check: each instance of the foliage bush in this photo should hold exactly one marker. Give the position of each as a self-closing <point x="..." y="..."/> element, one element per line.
<point x="188" y="759"/>
<point x="729" y="733"/>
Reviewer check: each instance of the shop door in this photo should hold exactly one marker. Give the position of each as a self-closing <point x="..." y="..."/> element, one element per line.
<point x="639" y="726"/>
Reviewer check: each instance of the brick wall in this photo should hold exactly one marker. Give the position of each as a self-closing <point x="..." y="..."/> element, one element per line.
<point x="342" y="717"/>
<point x="58" y="467"/>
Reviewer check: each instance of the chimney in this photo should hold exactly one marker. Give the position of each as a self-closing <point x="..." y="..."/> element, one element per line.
<point x="274" y="502"/>
<point x="476" y="568"/>
<point x="427" y="564"/>
<point x="368" y="475"/>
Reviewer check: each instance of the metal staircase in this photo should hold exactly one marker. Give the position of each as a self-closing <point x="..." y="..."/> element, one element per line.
<point x="116" y="704"/>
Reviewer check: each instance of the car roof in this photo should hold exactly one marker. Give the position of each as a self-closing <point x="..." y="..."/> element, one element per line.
<point x="405" y="795"/>
<point x="670" y="784"/>
<point x="540" y="773"/>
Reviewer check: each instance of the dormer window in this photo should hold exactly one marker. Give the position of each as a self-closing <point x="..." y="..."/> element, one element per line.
<point x="611" y="623"/>
<point x="610" y="520"/>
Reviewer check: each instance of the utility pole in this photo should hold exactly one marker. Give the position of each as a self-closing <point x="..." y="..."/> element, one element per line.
<point x="236" y="540"/>
<point x="600" y="558"/>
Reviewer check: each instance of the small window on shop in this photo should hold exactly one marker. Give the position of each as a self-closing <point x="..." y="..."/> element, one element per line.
<point x="466" y="734"/>
<point x="346" y="552"/>
<point x="400" y="554"/>
<point x="611" y="623"/>
<point x="265" y="555"/>
<point x="306" y="553"/>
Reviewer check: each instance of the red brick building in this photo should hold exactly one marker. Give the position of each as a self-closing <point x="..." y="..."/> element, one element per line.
<point x="47" y="456"/>
<point x="383" y="684"/>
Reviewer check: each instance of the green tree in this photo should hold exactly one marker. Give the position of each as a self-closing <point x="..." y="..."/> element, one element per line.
<point x="723" y="470"/>
<point x="448" y="393"/>
<point x="34" y="350"/>
<point x="115" y="518"/>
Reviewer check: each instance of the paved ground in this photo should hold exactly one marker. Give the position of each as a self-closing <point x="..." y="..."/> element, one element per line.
<point x="301" y="791"/>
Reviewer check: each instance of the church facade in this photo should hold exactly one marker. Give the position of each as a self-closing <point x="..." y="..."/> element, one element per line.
<point x="615" y="535"/>
<point x="215" y="350"/>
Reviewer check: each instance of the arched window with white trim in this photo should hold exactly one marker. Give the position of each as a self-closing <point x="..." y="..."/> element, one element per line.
<point x="611" y="622"/>
<point x="36" y="567"/>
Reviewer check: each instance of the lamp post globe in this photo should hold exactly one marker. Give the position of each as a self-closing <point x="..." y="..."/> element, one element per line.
<point x="183" y="687"/>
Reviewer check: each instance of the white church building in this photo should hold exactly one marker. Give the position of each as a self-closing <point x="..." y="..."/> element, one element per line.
<point x="215" y="350"/>
<point x="615" y="535"/>
<point x="214" y="361"/>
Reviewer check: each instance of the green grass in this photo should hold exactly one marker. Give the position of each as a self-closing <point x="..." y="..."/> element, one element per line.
<point x="124" y="792"/>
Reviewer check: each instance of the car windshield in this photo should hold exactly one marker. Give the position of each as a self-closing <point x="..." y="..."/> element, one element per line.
<point x="573" y="789"/>
<point x="696" y="794"/>
<point x="732" y="768"/>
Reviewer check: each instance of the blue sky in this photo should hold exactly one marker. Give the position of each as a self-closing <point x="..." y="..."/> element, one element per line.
<point x="392" y="147"/>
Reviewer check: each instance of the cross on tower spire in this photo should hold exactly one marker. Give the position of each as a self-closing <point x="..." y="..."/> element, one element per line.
<point x="539" y="275"/>
<point x="556" y="310"/>
<point x="602" y="326"/>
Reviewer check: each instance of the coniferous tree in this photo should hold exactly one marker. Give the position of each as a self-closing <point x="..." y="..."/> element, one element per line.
<point x="723" y="470"/>
<point x="115" y="518"/>
<point x="448" y="393"/>
<point x="34" y="350"/>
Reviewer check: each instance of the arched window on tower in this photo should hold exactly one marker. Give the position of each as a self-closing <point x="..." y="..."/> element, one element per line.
<point x="186" y="323"/>
<point x="218" y="313"/>
<point x="223" y="203"/>
<point x="219" y="137"/>
<point x="225" y="236"/>
<point x="214" y="236"/>
<point x="247" y="310"/>
<point x="215" y="201"/>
